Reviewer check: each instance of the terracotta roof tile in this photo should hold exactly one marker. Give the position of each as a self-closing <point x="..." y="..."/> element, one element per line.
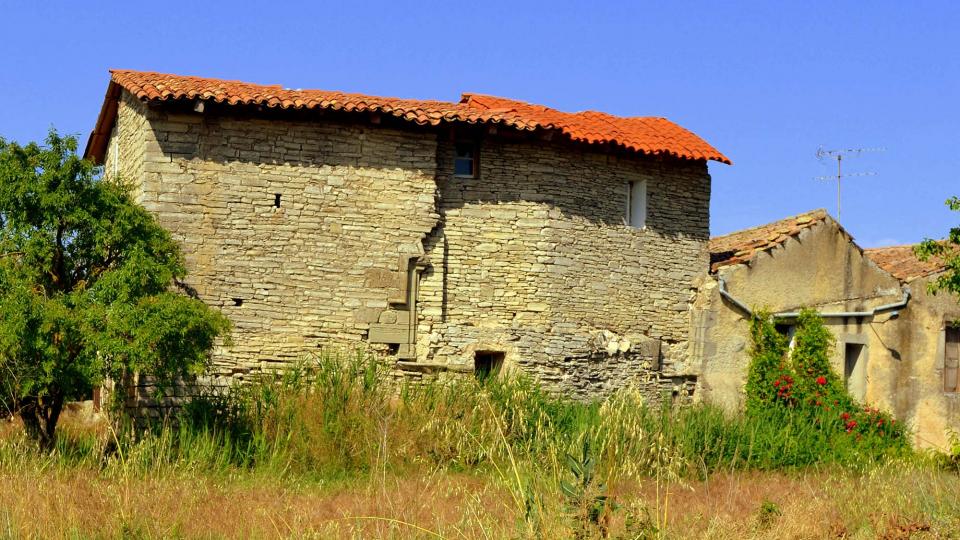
<point x="902" y="263"/>
<point x="645" y="135"/>
<point x="742" y="246"/>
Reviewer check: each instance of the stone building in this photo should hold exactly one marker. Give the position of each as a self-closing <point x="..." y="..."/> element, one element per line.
<point x="892" y="336"/>
<point x="452" y="236"/>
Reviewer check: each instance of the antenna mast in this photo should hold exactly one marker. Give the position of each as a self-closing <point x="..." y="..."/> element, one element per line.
<point x="838" y="155"/>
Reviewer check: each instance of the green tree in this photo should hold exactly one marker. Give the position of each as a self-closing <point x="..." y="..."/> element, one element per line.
<point x="88" y="285"/>
<point x="947" y="251"/>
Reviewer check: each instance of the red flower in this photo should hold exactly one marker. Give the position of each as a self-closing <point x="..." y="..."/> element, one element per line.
<point x="821" y="380"/>
<point x="850" y="425"/>
<point x="776" y="383"/>
<point x="845" y="416"/>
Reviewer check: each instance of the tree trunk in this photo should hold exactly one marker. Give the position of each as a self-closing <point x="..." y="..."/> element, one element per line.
<point x="40" y="417"/>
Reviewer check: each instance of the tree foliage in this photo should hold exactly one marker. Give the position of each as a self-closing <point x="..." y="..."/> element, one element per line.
<point x="948" y="251"/>
<point x="87" y="287"/>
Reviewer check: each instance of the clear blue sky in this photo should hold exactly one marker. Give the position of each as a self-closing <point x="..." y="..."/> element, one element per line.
<point x="765" y="82"/>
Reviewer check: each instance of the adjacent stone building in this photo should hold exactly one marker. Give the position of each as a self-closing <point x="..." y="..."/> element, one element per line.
<point x="897" y="346"/>
<point x="452" y="236"/>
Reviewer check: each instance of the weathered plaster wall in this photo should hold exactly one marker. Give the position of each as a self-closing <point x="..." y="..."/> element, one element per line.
<point x="905" y="373"/>
<point x="902" y="370"/>
<point x="534" y="260"/>
<point x="821" y="268"/>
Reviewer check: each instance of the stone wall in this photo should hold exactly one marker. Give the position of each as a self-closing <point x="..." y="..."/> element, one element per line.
<point x="294" y="229"/>
<point x="125" y="156"/>
<point x="532" y="259"/>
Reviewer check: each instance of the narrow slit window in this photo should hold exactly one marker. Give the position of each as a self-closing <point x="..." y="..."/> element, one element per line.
<point x="951" y="359"/>
<point x="465" y="161"/>
<point x="637" y="204"/>
<point x="276" y="200"/>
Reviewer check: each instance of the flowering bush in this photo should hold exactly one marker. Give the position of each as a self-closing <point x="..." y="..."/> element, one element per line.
<point x="799" y="379"/>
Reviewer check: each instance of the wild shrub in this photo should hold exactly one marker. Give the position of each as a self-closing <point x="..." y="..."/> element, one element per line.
<point x="798" y="383"/>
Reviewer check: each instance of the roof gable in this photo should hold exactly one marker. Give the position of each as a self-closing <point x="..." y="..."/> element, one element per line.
<point x="742" y="246"/>
<point x="650" y="136"/>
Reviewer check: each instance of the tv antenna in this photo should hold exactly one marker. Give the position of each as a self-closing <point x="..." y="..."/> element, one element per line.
<point x="839" y="155"/>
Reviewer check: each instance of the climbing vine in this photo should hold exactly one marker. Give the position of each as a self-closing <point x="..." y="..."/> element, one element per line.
<point x="799" y="378"/>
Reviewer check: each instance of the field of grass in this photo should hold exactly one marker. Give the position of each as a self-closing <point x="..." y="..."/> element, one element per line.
<point x="330" y="450"/>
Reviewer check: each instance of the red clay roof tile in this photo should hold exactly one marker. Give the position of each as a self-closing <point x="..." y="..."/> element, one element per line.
<point x="902" y="263"/>
<point x="742" y="246"/>
<point x="645" y="135"/>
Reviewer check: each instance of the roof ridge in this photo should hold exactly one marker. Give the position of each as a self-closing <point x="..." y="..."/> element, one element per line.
<point x="894" y="246"/>
<point x="192" y="77"/>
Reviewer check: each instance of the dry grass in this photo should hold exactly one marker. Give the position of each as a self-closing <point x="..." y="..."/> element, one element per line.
<point x="85" y="504"/>
<point x="904" y="503"/>
<point x="338" y="459"/>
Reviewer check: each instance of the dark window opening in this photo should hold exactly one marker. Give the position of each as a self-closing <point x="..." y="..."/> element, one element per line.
<point x="276" y="200"/>
<point x="465" y="160"/>
<point x="487" y="363"/>
<point x="788" y="331"/>
<point x="237" y="301"/>
<point x="785" y="330"/>
<point x="951" y="359"/>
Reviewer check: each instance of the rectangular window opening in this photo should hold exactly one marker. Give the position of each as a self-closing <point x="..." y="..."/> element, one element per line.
<point x="487" y="363"/>
<point x="276" y="200"/>
<point x="951" y="359"/>
<point x="465" y="163"/>
<point x="788" y="331"/>
<point x="637" y="204"/>
<point x="855" y="370"/>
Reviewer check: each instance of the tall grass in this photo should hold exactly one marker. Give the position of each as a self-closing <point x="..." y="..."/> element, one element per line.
<point x="336" y="416"/>
<point x="339" y="418"/>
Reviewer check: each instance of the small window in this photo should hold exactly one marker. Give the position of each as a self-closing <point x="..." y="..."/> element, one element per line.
<point x="465" y="162"/>
<point x="637" y="204"/>
<point x="951" y="358"/>
<point x="487" y="363"/>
